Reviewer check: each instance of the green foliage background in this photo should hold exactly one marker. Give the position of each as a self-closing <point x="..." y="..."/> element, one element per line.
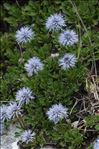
<point x="52" y="85"/>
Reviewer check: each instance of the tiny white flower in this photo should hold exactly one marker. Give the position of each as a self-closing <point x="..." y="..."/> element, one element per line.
<point x="67" y="61"/>
<point x="57" y="112"/>
<point x="96" y="144"/>
<point x="24" y="95"/>
<point x="13" y="110"/>
<point x="68" y="38"/>
<point x="24" y="34"/>
<point x="27" y="136"/>
<point x="54" y="55"/>
<point x="55" y="22"/>
<point x="33" y="66"/>
<point x="3" y="113"/>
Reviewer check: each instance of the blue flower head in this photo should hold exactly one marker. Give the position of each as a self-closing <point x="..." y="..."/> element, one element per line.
<point x="57" y="112"/>
<point x="27" y="136"/>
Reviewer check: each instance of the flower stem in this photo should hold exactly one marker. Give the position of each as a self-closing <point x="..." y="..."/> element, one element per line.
<point x="20" y="120"/>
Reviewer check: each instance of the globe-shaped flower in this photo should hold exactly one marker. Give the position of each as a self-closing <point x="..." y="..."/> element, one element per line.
<point x="24" y="34"/>
<point x="33" y="66"/>
<point x="57" y="112"/>
<point x="67" y="61"/>
<point x="55" y="22"/>
<point x="68" y="38"/>
<point x="27" y="136"/>
<point x="24" y="95"/>
<point x="3" y="113"/>
<point x="13" y="110"/>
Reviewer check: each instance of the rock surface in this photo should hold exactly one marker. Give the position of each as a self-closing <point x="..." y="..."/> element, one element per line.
<point x="96" y="143"/>
<point x="8" y="140"/>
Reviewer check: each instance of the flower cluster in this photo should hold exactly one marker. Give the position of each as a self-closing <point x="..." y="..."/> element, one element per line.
<point x="57" y="112"/>
<point x="33" y="66"/>
<point x="13" y="110"/>
<point x="3" y="113"/>
<point x="68" y="38"/>
<point x="24" y="34"/>
<point x="24" y="95"/>
<point x="55" y="22"/>
<point x="67" y="61"/>
<point x="27" y="136"/>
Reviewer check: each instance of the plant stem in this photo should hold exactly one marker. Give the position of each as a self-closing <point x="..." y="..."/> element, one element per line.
<point x="20" y="120"/>
<point x="93" y="56"/>
<point x="80" y="43"/>
<point x="20" y="51"/>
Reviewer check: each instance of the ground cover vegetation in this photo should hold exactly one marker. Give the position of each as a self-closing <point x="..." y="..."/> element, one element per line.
<point x="50" y="72"/>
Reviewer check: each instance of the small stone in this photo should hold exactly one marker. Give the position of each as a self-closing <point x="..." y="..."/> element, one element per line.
<point x="75" y="124"/>
<point x="54" y="55"/>
<point x="8" y="139"/>
<point x="14" y="145"/>
<point x="96" y="144"/>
